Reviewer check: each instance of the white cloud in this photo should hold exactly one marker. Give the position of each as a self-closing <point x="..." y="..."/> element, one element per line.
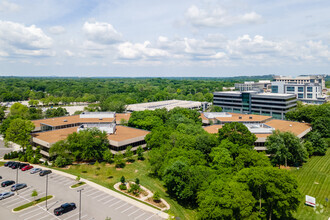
<point x="129" y="50"/>
<point x="102" y="33"/>
<point x="68" y="53"/>
<point x="15" y="38"/>
<point x="218" y="17"/>
<point x="8" y="6"/>
<point x="57" y="29"/>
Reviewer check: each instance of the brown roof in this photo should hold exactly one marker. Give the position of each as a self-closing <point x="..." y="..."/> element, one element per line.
<point x="295" y="127"/>
<point x="202" y="116"/>
<point x="262" y="135"/>
<point x="213" y="129"/>
<point x="58" y="121"/>
<point x="244" y="118"/>
<point x="125" y="133"/>
<point x="55" y="135"/>
<point x="122" y="133"/>
<point x="124" y="116"/>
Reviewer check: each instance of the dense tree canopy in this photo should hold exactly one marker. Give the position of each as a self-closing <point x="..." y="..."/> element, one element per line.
<point x="19" y="131"/>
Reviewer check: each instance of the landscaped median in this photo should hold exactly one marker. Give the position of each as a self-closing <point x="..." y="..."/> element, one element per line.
<point x="35" y="202"/>
<point x="77" y="185"/>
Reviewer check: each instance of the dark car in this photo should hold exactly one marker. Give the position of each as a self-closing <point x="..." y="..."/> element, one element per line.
<point x="21" y="165"/>
<point x="7" y="183"/>
<point x="8" y="163"/>
<point x="64" y="208"/>
<point x="12" y="164"/>
<point x="44" y="172"/>
<point x="15" y="165"/>
<point x="18" y="186"/>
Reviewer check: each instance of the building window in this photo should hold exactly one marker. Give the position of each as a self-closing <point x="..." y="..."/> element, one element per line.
<point x="309" y="89"/>
<point x="274" y="89"/>
<point x="300" y="89"/>
<point x="290" y="89"/>
<point x="309" y="95"/>
<point x="300" y="96"/>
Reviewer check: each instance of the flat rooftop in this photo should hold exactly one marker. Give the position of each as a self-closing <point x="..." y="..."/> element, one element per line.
<point x="237" y="117"/>
<point x="65" y="120"/>
<point x="275" y="94"/>
<point x="122" y="133"/>
<point x="168" y="104"/>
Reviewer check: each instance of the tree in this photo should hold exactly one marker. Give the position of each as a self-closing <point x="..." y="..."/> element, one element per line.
<point x="139" y="152"/>
<point x="34" y="194"/>
<point x="2" y="113"/>
<point x="156" y="197"/>
<point x="237" y="133"/>
<point x="19" y="131"/>
<point x="20" y="110"/>
<point x="276" y="190"/>
<point x="55" y="112"/>
<point x="221" y="158"/>
<point x="215" y="108"/>
<point x="319" y="144"/>
<point x="122" y="180"/>
<point x="250" y="158"/>
<point x="225" y="200"/>
<point x="107" y="156"/>
<point x="322" y="125"/>
<point x="286" y="147"/>
<point x="119" y="160"/>
<point x="129" y="154"/>
<point x="137" y="181"/>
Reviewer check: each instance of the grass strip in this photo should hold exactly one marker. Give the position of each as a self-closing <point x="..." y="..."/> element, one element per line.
<point x="37" y="201"/>
<point x="77" y="185"/>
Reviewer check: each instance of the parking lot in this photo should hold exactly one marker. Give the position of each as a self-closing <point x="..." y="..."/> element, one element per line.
<point x="96" y="204"/>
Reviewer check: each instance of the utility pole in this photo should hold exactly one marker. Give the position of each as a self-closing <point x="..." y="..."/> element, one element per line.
<point x="46" y="190"/>
<point x="80" y="202"/>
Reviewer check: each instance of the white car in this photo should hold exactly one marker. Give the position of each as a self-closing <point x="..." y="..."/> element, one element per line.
<point x="35" y="170"/>
<point x="6" y="195"/>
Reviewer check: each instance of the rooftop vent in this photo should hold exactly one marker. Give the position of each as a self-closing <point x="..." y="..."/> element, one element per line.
<point x="290" y="125"/>
<point x="65" y="120"/>
<point x="250" y="117"/>
<point x="240" y="117"/>
<point x="100" y="118"/>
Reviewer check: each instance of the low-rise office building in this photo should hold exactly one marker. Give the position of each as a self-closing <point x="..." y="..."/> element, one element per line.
<point x="263" y="130"/>
<point x="168" y="104"/>
<point x="261" y="86"/>
<point x="226" y="117"/>
<point x="319" y="79"/>
<point x="252" y="102"/>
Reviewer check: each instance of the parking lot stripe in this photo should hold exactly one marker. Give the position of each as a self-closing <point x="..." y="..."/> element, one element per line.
<point x="121" y="206"/>
<point x="133" y="212"/>
<point x="127" y="209"/>
<point x="97" y="191"/>
<point x="107" y="196"/>
<point x="150" y="217"/>
<point x="102" y="194"/>
<point x="11" y="201"/>
<point x="29" y="212"/>
<point x="45" y="216"/>
<point x="108" y="201"/>
<point x="34" y="215"/>
<point x="140" y="215"/>
<point x="71" y="216"/>
<point x="84" y="216"/>
<point x="115" y="203"/>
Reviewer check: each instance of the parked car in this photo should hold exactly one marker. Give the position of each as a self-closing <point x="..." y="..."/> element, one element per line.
<point x="7" y="183"/>
<point x="44" y="172"/>
<point x="64" y="208"/>
<point x="27" y="167"/>
<point x="18" y="186"/>
<point x="23" y="165"/>
<point x="15" y="165"/>
<point x="35" y="170"/>
<point x="6" y="195"/>
<point x="8" y="163"/>
<point x="0" y="177"/>
<point x="12" y="164"/>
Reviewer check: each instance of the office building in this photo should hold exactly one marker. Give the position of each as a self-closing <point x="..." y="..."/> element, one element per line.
<point x="252" y="102"/>
<point x="319" y="79"/>
<point x="168" y="104"/>
<point x="261" y="86"/>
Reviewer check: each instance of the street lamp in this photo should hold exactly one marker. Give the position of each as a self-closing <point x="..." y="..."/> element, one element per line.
<point x="46" y="189"/>
<point x="16" y="180"/>
<point x="80" y="202"/>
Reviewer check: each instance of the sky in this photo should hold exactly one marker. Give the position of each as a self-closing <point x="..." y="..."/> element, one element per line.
<point x="153" y="38"/>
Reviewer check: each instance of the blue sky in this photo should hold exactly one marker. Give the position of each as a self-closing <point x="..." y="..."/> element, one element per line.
<point x="164" y="38"/>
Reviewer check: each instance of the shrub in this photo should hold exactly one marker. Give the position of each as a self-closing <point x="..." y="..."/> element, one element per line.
<point x="139" y="152"/>
<point x="156" y="197"/>
<point x="122" y="187"/>
<point x="46" y="163"/>
<point x="122" y="180"/>
<point x="135" y="189"/>
<point x="61" y="161"/>
<point x="137" y="181"/>
<point x="84" y="171"/>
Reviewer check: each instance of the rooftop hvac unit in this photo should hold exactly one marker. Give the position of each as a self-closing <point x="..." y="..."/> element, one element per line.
<point x="65" y="120"/>
<point x="240" y="117"/>
<point x="100" y="118"/>
<point x="250" y="117"/>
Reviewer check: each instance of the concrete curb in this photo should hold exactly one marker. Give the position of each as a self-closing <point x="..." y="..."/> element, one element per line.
<point x="110" y="192"/>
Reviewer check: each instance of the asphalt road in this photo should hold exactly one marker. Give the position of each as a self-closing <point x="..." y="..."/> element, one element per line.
<point x="96" y="204"/>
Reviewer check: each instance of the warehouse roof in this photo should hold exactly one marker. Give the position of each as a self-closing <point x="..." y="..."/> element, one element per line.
<point x="168" y="104"/>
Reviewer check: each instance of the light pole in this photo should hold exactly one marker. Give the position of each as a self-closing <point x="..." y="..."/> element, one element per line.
<point x="80" y="202"/>
<point x="16" y="180"/>
<point x="46" y="189"/>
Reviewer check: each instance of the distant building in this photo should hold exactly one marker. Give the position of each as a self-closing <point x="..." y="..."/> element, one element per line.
<point x="264" y="129"/>
<point x="261" y="86"/>
<point x="226" y="117"/>
<point x="252" y="102"/>
<point x="319" y="79"/>
<point x="168" y="104"/>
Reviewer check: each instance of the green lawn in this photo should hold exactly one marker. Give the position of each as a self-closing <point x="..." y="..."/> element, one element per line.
<point x="107" y="175"/>
<point x="314" y="180"/>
